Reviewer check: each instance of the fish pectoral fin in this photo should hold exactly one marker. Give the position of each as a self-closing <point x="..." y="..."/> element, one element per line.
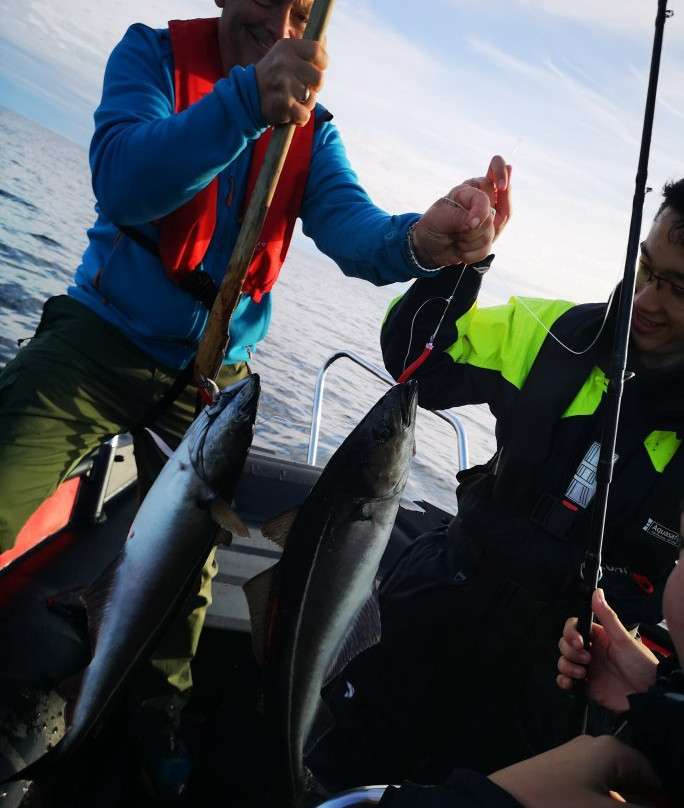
<point x="409" y="505"/>
<point x="323" y="722"/>
<point x="160" y="443"/>
<point x="226" y="518"/>
<point x="97" y="596"/>
<point x="278" y="528"/>
<point x="258" y="593"/>
<point x="364" y="633"/>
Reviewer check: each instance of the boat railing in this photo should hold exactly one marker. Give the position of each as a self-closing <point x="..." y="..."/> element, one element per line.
<point x="95" y="470"/>
<point x="317" y="408"/>
<point x="366" y="795"/>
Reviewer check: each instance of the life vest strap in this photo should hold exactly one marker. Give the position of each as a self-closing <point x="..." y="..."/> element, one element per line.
<point x="198" y="284"/>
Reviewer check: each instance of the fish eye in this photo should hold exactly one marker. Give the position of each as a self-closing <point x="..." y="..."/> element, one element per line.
<point x="384" y="434"/>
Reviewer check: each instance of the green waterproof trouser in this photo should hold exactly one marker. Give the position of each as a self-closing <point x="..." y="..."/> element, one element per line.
<point x="76" y="383"/>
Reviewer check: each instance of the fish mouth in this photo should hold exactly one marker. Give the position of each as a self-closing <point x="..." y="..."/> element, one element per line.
<point x="231" y="414"/>
<point x="408" y="402"/>
<point x="227" y="395"/>
<point x="248" y="392"/>
<point x="240" y="396"/>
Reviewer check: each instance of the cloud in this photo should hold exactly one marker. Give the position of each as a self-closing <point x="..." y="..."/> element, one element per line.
<point x="624" y="19"/>
<point x="424" y="100"/>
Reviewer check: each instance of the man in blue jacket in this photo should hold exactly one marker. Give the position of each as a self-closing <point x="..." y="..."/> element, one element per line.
<point x="180" y="134"/>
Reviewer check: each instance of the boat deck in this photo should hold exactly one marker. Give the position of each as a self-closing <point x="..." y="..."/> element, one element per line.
<point x="227" y="740"/>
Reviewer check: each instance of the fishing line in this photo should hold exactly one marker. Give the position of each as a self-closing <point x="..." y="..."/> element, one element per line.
<point x="407" y="372"/>
<point x="502" y="278"/>
<point x="264" y="419"/>
<point x="553" y="336"/>
<point x="429" y="345"/>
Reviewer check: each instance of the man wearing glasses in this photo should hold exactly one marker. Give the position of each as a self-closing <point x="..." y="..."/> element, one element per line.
<point x="465" y="673"/>
<point x="658" y="314"/>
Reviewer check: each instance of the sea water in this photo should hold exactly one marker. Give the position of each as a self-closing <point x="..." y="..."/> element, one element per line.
<point x="46" y="205"/>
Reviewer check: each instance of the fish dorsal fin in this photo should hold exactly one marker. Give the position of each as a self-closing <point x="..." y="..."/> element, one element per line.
<point x="258" y="593"/>
<point x="96" y="599"/>
<point x="278" y="528"/>
<point x="160" y="443"/>
<point x="226" y="518"/>
<point x="364" y="633"/>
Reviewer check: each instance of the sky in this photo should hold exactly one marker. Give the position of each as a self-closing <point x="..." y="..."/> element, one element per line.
<point x="424" y="93"/>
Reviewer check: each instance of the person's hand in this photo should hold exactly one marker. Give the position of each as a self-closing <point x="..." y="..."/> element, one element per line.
<point x="289" y="77"/>
<point x="586" y="772"/>
<point x="497" y="185"/>
<point x="461" y="226"/>
<point x="617" y="664"/>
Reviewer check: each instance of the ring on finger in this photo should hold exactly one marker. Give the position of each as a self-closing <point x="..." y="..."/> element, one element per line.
<point x="453" y="202"/>
<point x="307" y="95"/>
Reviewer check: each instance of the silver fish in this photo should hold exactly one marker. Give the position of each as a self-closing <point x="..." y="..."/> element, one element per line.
<point x="173" y="532"/>
<point x="316" y="608"/>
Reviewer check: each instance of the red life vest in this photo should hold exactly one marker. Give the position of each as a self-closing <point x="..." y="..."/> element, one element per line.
<point x="186" y="232"/>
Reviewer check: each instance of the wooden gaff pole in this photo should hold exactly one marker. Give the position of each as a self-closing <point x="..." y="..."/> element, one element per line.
<point x="214" y="341"/>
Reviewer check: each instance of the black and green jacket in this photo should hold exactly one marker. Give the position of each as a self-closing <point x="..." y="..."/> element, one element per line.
<point x="532" y="501"/>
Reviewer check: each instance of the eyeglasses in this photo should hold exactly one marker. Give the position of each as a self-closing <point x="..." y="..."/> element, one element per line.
<point x="674" y="294"/>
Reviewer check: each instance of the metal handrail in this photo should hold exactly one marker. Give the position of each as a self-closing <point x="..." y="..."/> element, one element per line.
<point x="367" y="795"/>
<point x="317" y="407"/>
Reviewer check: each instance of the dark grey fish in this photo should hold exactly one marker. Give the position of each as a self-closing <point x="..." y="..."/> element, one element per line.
<point x="173" y="532"/>
<point x="316" y="608"/>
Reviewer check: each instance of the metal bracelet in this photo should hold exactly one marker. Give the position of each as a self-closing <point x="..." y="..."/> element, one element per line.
<point x="412" y="255"/>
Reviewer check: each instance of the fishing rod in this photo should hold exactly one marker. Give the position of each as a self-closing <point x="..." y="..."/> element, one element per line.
<point x="591" y="567"/>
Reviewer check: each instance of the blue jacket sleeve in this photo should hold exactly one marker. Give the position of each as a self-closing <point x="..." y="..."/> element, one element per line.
<point x="428" y="313"/>
<point x="145" y="160"/>
<point x="364" y="240"/>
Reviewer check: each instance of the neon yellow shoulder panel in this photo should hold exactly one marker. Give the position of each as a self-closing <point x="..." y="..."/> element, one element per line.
<point x="506" y="338"/>
<point x="660" y="445"/>
<point x="590" y="394"/>
<point x="661" y="448"/>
